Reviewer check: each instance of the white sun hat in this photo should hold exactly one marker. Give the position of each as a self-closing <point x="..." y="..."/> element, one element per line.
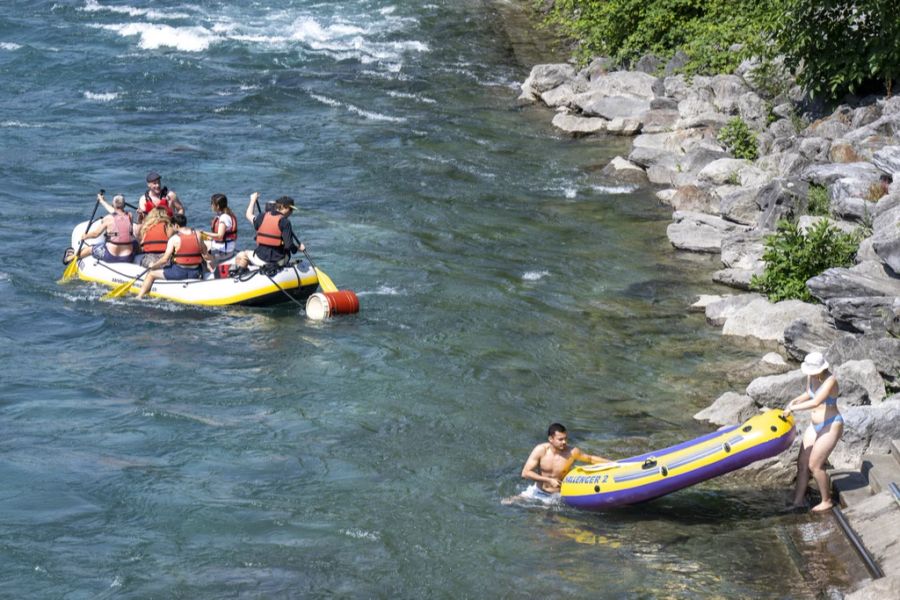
<point x="814" y="363"/>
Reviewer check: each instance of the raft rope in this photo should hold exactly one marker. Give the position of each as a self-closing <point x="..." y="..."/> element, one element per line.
<point x="245" y="277"/>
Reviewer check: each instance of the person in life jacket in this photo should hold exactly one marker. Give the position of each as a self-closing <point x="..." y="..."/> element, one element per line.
<point x="117" y="225"/>
<point x="221" y="238"/>
<point x="153" y="236"/>
<point x="275" y="239"/>
<point x="187" y="252"/>
<point x="158" y="196"/>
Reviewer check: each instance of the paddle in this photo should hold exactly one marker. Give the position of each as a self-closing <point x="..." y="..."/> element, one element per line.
<point x="325" y="281"/>
<point x="72" y="267"/>
<point x="122" y="289"/>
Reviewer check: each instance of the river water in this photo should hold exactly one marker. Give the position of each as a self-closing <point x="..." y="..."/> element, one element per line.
<point x="155" y="450"/>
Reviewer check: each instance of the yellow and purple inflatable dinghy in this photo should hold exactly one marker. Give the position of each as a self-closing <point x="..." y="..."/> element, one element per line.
<point x="649" y="476"/>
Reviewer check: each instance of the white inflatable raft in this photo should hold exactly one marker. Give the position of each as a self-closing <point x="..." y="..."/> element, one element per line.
<point x="255" y="288"/>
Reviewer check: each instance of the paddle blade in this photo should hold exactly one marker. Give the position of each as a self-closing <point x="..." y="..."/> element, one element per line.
<point x="70" y="272"/>
<point x="119" y="290"/>
<point x="325" y="281"/>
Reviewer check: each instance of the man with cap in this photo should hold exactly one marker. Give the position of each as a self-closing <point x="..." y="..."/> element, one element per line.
<point x="158" y="196"/>
<point x="274" y="234"/>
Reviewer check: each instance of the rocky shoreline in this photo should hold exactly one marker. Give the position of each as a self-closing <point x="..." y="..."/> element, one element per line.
<point x="725" y="205"/>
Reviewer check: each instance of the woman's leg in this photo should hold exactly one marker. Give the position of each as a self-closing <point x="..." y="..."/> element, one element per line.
<point x="149" y="278"/>
<point x="825" y="443"/>
<point x="806" y="446"/>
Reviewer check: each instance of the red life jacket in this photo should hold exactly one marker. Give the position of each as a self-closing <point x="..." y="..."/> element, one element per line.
<point x="230" y="234"/>
<point x="163" y="202"/>
<point x="188" y="253"/>
<point x="156" y="239"/>
<point x="269" y="234"/>
<point x="121" y="235"/>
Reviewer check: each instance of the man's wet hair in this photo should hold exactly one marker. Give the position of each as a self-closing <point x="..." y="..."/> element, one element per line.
<point x="554" y="428"/>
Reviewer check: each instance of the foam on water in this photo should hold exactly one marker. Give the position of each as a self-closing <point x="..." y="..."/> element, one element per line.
<point x="101" y="97"/>
<point x="9" y="46"/>
<point x="374" y="116"/>
<point x="614" y="189"/>
<point x="131" y="11"/>
<point x="534" y="275"/>
<point x="155" y="36"/>
<point x="417" y="97"/>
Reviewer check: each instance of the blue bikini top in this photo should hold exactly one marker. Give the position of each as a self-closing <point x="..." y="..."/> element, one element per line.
<point x="829" y="401"/>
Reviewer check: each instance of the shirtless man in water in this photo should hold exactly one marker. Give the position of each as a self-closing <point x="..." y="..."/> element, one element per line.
<point x="554" y="458"/>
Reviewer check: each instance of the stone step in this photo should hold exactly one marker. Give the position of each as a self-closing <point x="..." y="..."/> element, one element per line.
<point x="851" y="487"/>
<point x="880" y="470"/>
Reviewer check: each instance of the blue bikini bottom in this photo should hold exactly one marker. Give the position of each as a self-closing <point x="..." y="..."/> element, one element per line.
<point x="827" y="422"/>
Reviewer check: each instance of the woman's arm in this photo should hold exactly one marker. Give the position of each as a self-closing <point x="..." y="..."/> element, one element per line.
<point x="823" y="392"/>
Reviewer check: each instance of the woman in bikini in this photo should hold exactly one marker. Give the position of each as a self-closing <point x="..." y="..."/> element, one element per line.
<point x="824" y="431"/>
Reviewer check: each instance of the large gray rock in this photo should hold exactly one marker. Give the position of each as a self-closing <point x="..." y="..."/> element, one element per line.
<point x="887" y="246"/>
<point x="599" y="66"/>
<point x="727" y="91"/>
<point x="859" y="383"/>
<point x="886" y="127"/>
<point x="627" y="83"/>
<point x="867" y="430"/>
<point x="887" y="203"/>
<point x="864" y="115"/>
<point x="563" y="95"/>
<point x="828" y="174"/>
<point x="739" y="204"/>
<point x="737" y="278"/>
<point x="753" y="110"/>
<point x="695" y="199"/>
<point x="657" y="120"/>
<point x="888" y="587"/>
<point x="864" y="279"/>
<point x="815" y="149"/>
<point x="546" y="77"/>
<point x="783" y="198"/>
<point x="853" y="187"/>
<point x="848" y="207"/>
<point x="883" y="351"/>
<point x="718" y="311"/>
<point x="729" y="409"/>
<point x="782" y="164"/>
<point x="621" y="169"/>
<point x="698" y="232"/>
<point x="887" y="159"/>
<point x="807" y="222"/>
<point x="624" y="126"/>
<point x="743" y="250"/>
<point x="594" y="103"/>
<point x="830" y="129"/>
<point x="723" y="171"/>
<point x="874" y="315"/>
<point x="813" y="333"/>
<point x="776" y="391"/>
<point x="886" y="220"/>
<point x="577" y="125"/>
<point x="765" y="321"/>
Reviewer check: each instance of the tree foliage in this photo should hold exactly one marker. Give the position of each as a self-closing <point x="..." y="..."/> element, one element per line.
<point x="792" y="258"/>
<point x="836" y="46"/>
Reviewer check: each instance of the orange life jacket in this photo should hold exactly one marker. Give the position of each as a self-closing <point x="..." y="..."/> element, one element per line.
<point x="121" y="234"/>
<point x="230" y="234"/>
<point x="188" y="253"/>
<point x="269" y="234"/>
<point x="156" y="239"/>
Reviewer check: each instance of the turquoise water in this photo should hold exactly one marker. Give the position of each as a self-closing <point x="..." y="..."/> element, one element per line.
<point x="154" y="450"/>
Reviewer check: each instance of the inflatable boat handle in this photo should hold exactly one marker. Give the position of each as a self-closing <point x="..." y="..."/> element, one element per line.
<point x="601" y="466"/>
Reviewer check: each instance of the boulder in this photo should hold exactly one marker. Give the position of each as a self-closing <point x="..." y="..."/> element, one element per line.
<point x="807" y="222"/>
<point x="864" y="115"/>
<point x="812" y="333"/>
<point x="886" y="244"/>
<point x="782" y="198"/>
<point x="855" y="209"/>
<point x="729" y="409"/>
<point x="777" y="390"/>
<point x="546" y="77"/>
<point x="765" y="321"/>
<point x="874" y="315"/>
<point x="704" y="300"/>
<point x="859" y="383"/>
<point x="828" y="174"/>
<point x="577" y="125"/>
<point x="594" y="103"/>
<point x="627" y="83"/>
<point x="563" y="95"/>
<point x="887" y="126"/>
<point x="624" y="170"/>
<point x="887" y="203"/>
<point x="815" y="149"/>
<point x="843" y="152"/>
<point x="867" y="430"/>
<point x="601" y="65"/>
<point x="883" y="351"/>
<point x="743" y="250"/>
<point x="864" y="279"/>
<point x="676" y="63"/>
<point x="695" y="199"/>
<point x="737" y="278"/>
<point x="783" y="128"/>
<point x="656" y="120"/>
<point x="738" y="204"/>
<point x="887" y="587"/>
<point x="698" y="232"/>
<point x="665" y="196"/>
<point x="830" y="129"/>
<point x="649" y="63"/>
<point x="783" y="164"/>
<point x="718" y="311"/>
<point x="887" y="159"/>
<point x="853" y="187"/>
<point x="753" y="110"/>
<point x="675" y="87"/>
<point x="866" y="251"/>
<point x="722" y="171"/>
<point x="624" y="126"/>
<point x="727" y="91"/>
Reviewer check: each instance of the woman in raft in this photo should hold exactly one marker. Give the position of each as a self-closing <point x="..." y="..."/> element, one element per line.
<point x="824" y="431"/>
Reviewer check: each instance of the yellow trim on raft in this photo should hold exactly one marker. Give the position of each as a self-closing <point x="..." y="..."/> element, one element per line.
<point x="227" y="300"/>
<point x="630" y="475"/>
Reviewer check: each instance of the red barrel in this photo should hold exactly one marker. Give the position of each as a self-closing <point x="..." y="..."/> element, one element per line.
<point x="322" y="305"/>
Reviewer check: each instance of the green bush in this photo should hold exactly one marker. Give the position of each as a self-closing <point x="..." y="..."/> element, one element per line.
<point x="627" y="29"/>
<point x="738" y="138"/>
<point x="792" y="258"/>
<point x="817" y="201"/>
